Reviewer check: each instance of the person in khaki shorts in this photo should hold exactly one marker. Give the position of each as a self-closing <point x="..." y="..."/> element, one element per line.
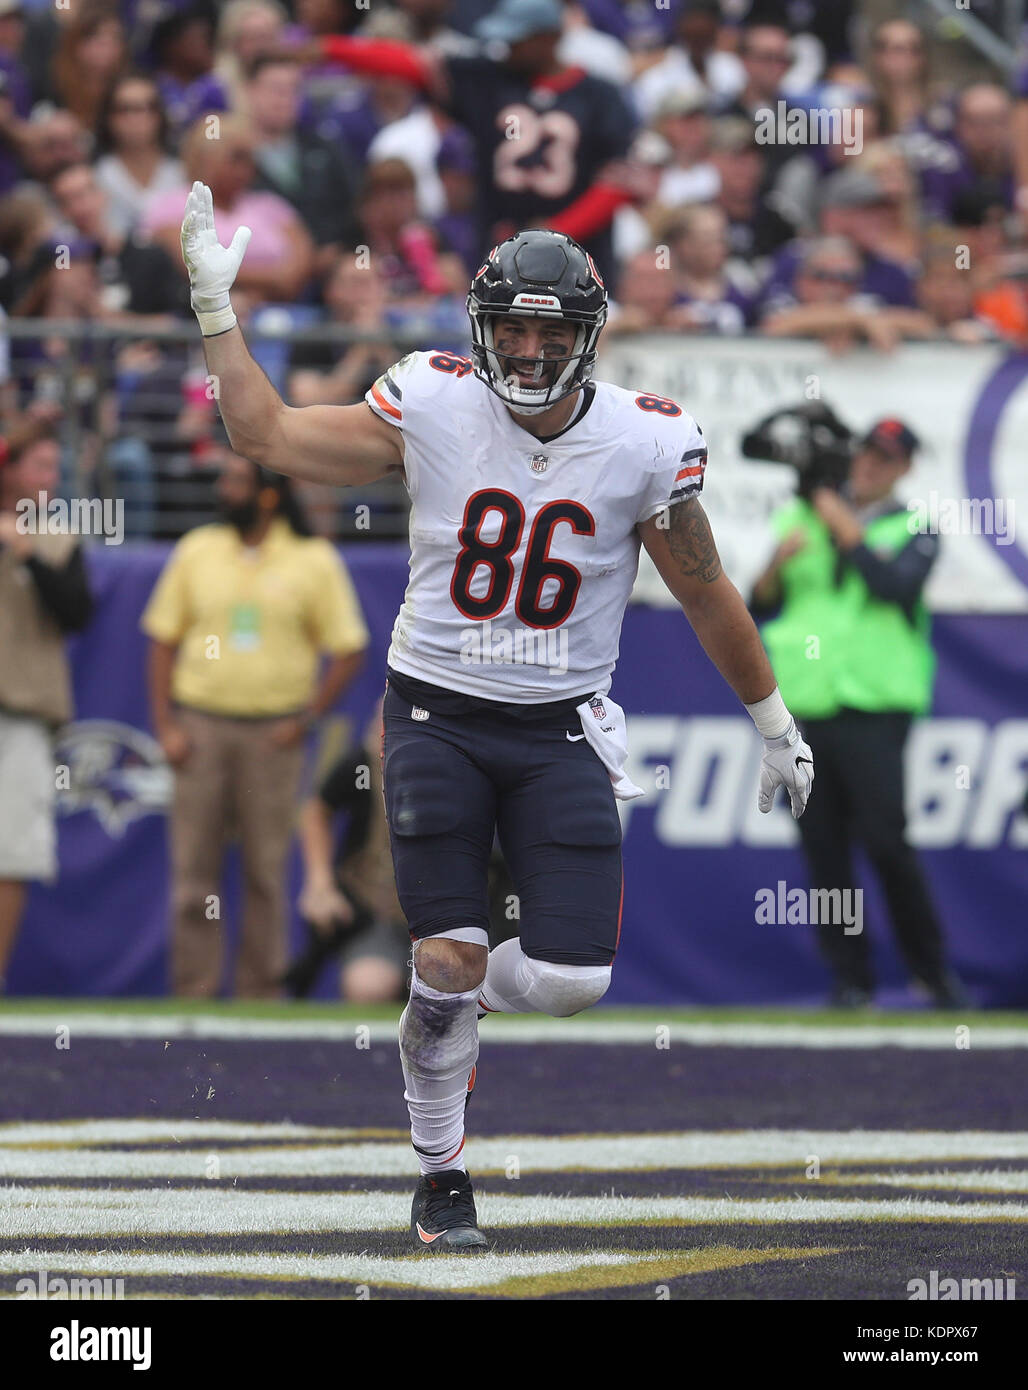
<point x="44" y="594"/>
<point x="239" y="619"/>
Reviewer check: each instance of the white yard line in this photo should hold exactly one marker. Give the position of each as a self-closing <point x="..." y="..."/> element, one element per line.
<point x="523" y="1153"/>
<point x="955" y="1180"/>
<point x="27" y="1213"/>
<point x="77" y="1132"/>
<point x="427" y="1272"/>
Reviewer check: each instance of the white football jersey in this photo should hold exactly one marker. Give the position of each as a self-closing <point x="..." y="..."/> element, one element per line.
<point x="523" y="550"/>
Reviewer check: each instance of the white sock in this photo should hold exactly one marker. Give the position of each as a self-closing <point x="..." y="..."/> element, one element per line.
<point x="438" y="1051"/>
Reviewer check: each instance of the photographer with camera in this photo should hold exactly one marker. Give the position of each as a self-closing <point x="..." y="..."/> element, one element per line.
<point x="849" y="637"/>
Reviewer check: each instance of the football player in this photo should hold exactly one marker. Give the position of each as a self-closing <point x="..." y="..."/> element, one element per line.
<point x="533" y="488"/>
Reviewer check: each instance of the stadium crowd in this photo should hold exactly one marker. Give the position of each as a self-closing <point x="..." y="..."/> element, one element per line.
<point x="377" y="151"/>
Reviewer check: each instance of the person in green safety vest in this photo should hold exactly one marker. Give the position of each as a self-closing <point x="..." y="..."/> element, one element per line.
<point x="849" y="638"/>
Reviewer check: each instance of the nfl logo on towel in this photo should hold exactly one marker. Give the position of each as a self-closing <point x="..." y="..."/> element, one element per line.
<point x="540" y="463"/>
<point x="598" y="708"/>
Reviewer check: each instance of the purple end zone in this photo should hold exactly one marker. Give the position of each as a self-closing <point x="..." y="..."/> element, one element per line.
<point x="532" y="1088"/>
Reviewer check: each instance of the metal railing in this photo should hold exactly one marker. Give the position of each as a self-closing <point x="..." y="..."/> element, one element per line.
<point x="997" y="41"/>
<point x="135" y="411"/>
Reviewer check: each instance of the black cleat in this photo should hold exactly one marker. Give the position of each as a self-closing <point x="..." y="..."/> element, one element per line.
<point x="443" y="1216"/>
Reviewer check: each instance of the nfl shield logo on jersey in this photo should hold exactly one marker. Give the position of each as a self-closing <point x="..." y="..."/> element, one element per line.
<point x="598" y="708"/>
<point x="540" y="463"/>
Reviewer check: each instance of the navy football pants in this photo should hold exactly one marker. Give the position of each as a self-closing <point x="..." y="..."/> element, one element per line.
<point x="452" y="781"/>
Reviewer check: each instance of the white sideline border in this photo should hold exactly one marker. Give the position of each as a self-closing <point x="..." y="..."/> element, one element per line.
<point x="928" y="1037"/>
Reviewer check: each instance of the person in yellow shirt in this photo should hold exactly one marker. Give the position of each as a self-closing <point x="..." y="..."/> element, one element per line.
<point x="239" y="621"/>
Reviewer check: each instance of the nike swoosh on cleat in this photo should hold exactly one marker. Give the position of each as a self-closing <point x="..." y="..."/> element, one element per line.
<point x="427" y="1238"/>
<point x="574" y="738"/>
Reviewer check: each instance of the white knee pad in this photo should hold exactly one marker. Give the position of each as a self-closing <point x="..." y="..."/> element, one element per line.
<point x="562" y="990"/>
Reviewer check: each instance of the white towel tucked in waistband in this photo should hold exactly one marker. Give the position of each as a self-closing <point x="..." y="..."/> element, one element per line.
<point x="603" y="723"/>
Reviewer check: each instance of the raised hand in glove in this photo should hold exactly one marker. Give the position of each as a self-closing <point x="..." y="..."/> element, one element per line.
<point x="788" y="763"/>
<point x="212" y="267"/>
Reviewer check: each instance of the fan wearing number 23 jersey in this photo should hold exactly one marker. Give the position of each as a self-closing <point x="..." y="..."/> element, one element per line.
<point x="525" y="535"/>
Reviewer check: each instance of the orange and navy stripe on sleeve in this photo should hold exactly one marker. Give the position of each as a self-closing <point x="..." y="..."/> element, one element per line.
<point x="689" y="478"/>
<point x="386" y="399"/>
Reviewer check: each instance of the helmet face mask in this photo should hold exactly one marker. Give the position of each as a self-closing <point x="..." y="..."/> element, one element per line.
<point x="553" y="370"/>
<point x="543" y="275"/>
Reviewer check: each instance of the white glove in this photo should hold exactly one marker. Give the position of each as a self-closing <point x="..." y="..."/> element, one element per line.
<point x="788" y="763"/>
<point x="212" y="267"/>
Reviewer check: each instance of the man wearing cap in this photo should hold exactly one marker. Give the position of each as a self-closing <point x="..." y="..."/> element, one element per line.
<point x="854" y="660"/>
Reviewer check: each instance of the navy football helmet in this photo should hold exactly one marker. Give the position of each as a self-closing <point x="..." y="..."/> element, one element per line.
<point x="542" y="274"/>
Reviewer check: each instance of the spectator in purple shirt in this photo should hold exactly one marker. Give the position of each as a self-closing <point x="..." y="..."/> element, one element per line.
<point x="899" y="72"/>
<point x="183" y="53"/>
<point x="640" y="27"/>
<point x="53" y="138"/>
<point x="982" y="152"/>
<point x="457" y="226"/>
<point x="330" y="92"/>
<point x="755" y="229"/>
<point x="15" y="93"/>
<point x="797" y="188"/>
<point x="825" y="302"/>
<point x="873" y="202"/>
<point x="709" y="298"/>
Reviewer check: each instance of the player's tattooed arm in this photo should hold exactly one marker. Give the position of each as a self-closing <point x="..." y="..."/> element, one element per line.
<point x="691" y="543"/>
<point x="681" y="545"/>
